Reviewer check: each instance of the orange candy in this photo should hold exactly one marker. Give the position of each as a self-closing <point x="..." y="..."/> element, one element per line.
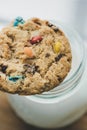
<point x="28" y="51"/>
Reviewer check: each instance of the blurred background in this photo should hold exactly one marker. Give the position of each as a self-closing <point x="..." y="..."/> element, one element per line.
<point x="70" y="12"/>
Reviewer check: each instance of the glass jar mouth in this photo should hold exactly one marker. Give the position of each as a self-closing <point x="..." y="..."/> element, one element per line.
<point x="73" y="79"/>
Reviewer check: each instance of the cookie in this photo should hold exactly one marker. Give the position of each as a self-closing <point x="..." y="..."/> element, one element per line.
<point x="35" y="56"/>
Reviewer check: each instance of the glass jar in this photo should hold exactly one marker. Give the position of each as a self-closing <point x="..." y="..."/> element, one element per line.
<point x="64" y="104"/>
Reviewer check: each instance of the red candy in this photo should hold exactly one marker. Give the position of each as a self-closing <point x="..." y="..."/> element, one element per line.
<point x="36" y="39"/>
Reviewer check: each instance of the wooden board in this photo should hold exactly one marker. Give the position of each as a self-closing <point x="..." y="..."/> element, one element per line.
<point x="9" y="120"/>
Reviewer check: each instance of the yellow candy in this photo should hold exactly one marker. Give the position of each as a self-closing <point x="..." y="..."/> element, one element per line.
<point x="57" y="47"/>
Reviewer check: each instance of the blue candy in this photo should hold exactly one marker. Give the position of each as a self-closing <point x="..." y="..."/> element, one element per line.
<point x="18" y="20"/>
<point x="15" y="23"/>
<point x="15" y="78"/>
<point x="22" y="21"/>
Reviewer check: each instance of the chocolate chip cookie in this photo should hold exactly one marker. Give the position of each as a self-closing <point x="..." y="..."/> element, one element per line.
<point x="35" y="56"/>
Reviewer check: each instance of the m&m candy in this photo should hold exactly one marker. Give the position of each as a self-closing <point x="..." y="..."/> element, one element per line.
<point x="15" y="78"/>
<point x="18" y="20"/>
<point x="28" y="51"/>
<point x="57" y="47"/>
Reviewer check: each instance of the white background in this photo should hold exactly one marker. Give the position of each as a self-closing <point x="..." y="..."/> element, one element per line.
<point x="68" y="11"/>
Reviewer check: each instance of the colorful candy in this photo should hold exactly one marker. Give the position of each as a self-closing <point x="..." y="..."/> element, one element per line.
<point x="28" y="51"/>
<point x="18" y="20"/>
<point x="36" y="39"/>
<point x="15" y="78"/>
<point x="57" y="47"/>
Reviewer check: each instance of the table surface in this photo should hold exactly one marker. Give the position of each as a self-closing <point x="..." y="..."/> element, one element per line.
<point x="9" y="120"/>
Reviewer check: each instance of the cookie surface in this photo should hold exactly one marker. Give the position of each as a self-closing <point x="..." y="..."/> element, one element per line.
<point x="35" y="56"/>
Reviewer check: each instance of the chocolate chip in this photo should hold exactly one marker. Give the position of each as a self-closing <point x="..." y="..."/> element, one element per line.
<point x="36" y="68"/>
<point x="3" y="68"/>
<point x="30" y="68"/>
<point x="47" y="55"/>
<point x="59" y="57"/>
<point x="59" y="78"/>
<point x="38" y="23"/>
<point x="55" y="28"/>
<point x="0" y="76"/>
<point x="50" y="24"/>
<point x="25" y="45"/>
